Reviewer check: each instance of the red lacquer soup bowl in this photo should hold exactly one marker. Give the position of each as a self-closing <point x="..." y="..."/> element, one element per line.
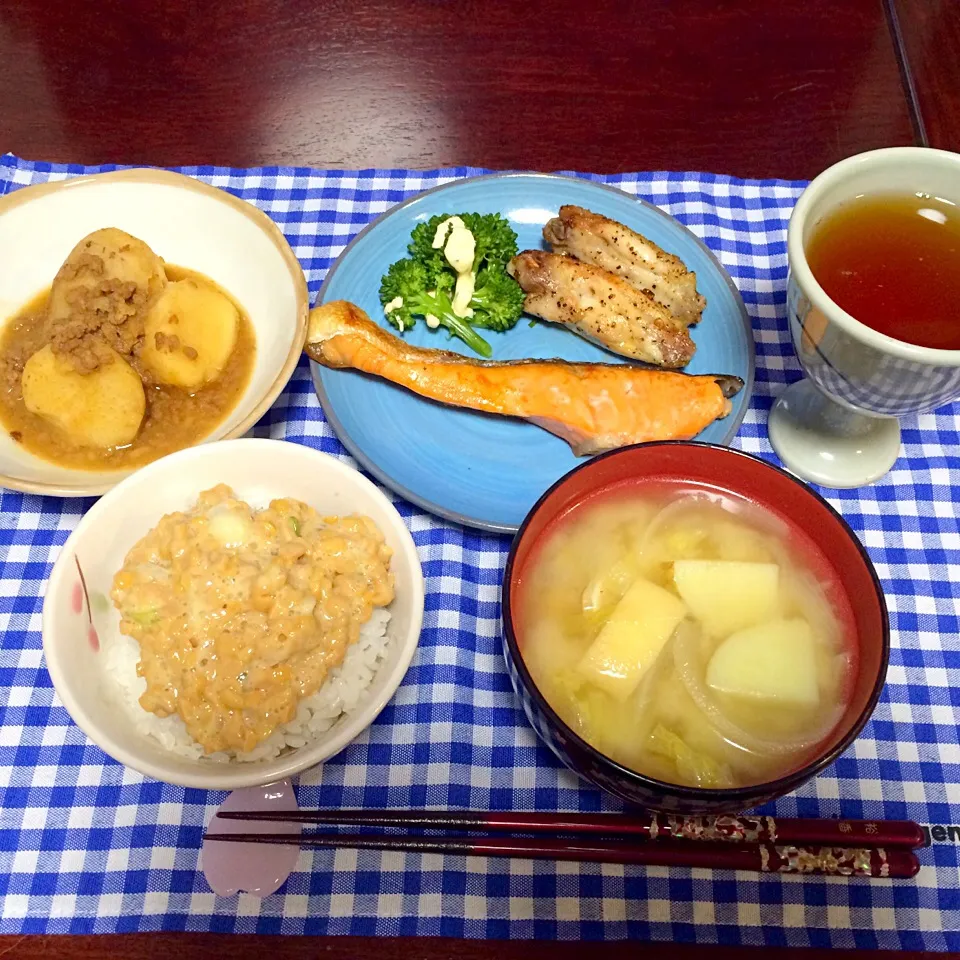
<point x="738" y="476"/>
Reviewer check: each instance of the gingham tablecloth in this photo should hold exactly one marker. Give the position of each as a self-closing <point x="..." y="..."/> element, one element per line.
<point x="88" y="846"/>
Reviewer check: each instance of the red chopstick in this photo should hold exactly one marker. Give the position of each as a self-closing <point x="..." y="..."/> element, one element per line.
<point x="744" y="829"/>
<point x="762" y="858"/>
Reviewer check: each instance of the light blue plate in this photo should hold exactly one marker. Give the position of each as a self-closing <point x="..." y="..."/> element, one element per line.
<point x="481" y="470"/>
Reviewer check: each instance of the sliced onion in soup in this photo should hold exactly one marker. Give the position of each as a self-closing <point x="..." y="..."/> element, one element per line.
<point x="661" y="522"/>
<point x="720" y="532"/>
<point x="605" y="590"/>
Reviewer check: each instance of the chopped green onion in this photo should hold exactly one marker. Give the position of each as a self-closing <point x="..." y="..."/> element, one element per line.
<point x="146" y="618"/>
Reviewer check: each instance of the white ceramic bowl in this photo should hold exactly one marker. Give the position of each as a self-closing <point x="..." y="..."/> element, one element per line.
<point x="187" y="223"/>
<point x="258" y="471"/>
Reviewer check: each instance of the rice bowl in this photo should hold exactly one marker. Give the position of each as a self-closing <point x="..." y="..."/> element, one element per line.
<point x="339" y="695"/>
<point x="93" y="665"/>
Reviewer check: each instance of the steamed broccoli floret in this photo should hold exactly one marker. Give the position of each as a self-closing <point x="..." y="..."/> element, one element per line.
<point x="426" y="282"/>
<point x="421" y="247"/>
<point x="497" y="300"/>
<point x="495" y="239"/>
<point x="411" y="281"/>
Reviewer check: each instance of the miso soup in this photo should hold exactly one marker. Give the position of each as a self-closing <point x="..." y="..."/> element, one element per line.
<point x="688" y="636"/>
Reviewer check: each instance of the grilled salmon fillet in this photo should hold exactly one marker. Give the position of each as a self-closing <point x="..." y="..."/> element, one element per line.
<point x="593" y="406"/>
<point x="600" y="306"/>
<point x="606" y="243"/>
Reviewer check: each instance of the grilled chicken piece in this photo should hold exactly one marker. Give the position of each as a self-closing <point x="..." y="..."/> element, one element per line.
<point x="598" y="240"/>
<point x="593" y="406"/>
<point x="600" y="306"/>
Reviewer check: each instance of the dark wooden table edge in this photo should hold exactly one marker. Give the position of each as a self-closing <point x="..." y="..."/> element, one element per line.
<point x="907" y="77"/>
<point x="201" y="946"/>
<point x="923" y="31"/>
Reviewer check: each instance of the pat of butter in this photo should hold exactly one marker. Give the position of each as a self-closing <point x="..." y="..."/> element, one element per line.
<point x="443" y="228"/>
<point x="395" y="304"/>
<point x="459" y="247"/>
<point x="632" y="638"/>
<point x="463" y="294"/>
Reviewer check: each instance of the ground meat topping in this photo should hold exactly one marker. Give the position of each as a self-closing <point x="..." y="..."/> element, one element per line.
<point x="101" y="312"/>
<point x="166" y="343"/>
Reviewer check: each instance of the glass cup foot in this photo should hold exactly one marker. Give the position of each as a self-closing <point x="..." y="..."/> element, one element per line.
<point x="823" y="442"/>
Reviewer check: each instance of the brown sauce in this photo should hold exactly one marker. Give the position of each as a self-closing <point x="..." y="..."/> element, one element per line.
<point x="174" y="418"/>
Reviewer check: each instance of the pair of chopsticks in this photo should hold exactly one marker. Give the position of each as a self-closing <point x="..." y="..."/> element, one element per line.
<point x="762" y="844"/>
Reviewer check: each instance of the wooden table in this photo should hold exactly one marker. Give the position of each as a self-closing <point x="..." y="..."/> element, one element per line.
<point x="751" y="88"/>
<point x="746" y="87"/>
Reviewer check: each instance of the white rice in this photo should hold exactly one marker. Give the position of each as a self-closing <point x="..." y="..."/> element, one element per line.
<point x="339" y="694"/>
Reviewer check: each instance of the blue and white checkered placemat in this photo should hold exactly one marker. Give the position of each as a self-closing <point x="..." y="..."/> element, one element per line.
<point x="88" y="846"/>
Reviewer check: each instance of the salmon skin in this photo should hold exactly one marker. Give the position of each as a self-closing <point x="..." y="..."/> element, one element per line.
<point x="593" y="406"/>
